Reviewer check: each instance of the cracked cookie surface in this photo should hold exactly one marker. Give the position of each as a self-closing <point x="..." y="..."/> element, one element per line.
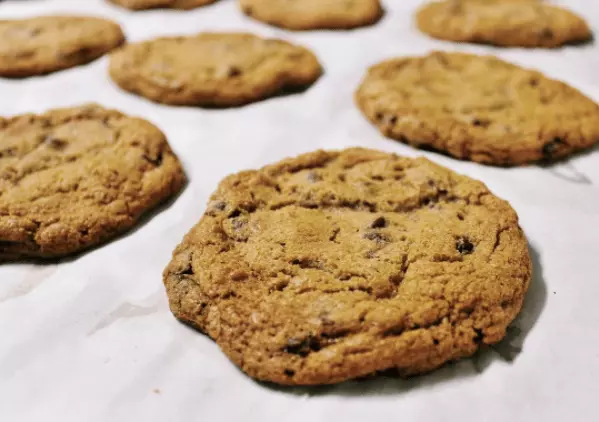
<point x="503" y="23"/>
<point x="161" y="4"/>
<point x="213" y="69"/>
<point x="46" y="44"/>
<point x="334" y="265"/>
<point x="74" y="178"/>
<point x="314" y="14"/>
<point x="478" y="108"/>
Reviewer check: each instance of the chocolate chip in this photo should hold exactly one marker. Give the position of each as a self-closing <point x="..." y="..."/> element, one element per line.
<point x="308" y="204"/>
<point x="156" y="161"/>
<point x="55" y="143"/>
<point x="464" y="246"/>
<point x="9" y="152"/>
<point x="215" y="207"/>
<point x="550" y="148"/>
<point x="302" y="347"/>
<point x="239" y="275"/>
<point x="376" y="237"/>
<point x="379" y="223"/>
<point x="396" y="279"/>
<point x="547" y="33"/>
<point x="230" y="294"/>
<point x="235" y="213"/>
<point x="234" y="71"/>
<point x="307" y="263"/>
<point x="80" y="54"/>
<point x="187" y="270"/>
<point x="480" y="122"/>
<point x="314" y="177"/>
<point x="289" y="372"/>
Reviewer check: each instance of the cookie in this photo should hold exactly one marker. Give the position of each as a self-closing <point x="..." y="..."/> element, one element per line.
<point x="314" y="14"/>
<point x="73" y="178"/>
<point x="46" y="44"/>
<point x="335" y="265"/>
<point x="161" y="4"/>
<point x="213" y="69"/>
<point x="477" y="108"/>
<point x="513" y="23"/>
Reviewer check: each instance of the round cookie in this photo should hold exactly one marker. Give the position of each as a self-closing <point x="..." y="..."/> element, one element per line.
<point x="46" y="44"/>
<point x="160" y="4"/>
<point x="213" y="69"/>
<point x="477" y="108"/>
<point x="502" y="23"/>
<point x="335" y="265"/>
<point x="314" y="14"/>
<point x="74" y="178"/>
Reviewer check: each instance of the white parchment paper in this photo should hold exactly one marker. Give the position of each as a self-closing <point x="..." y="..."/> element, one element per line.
<point x="91" y="338"/>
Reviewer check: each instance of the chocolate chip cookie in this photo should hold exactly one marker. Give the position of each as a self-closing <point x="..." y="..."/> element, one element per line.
<point x="503" y="23"/>
<point x="213" y="69"/>
<point x="335" y="265"/>
<point x="161" y="4"/>
<point x="314" y="14"/>
<point x="478" y="108"/>
<point x="74" y="178"/>
<point x="46" y="44"/>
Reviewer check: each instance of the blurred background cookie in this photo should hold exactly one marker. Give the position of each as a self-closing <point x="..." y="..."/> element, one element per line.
<point x="161" y="4"/>
<point x="46" y="44"/>
<point x="314" y="14"/>
<point x="516" y="23"/>
<point x="478" y="108"/>
<point x="213" y="69"/>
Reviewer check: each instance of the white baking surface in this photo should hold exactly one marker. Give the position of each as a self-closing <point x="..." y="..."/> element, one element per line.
<point x="91" y="338"/>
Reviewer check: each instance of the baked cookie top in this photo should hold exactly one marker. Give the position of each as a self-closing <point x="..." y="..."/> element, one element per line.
<point x="334" y="265"/>
<point x="213" y="69"/>
<point x="502" y="23"/>
<point x="159" y="4"/>
<point x="314" y="14"/>
<point x="73" y="178"/>
<point x="478" y="108"/>
<point x="46" y="44"/>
